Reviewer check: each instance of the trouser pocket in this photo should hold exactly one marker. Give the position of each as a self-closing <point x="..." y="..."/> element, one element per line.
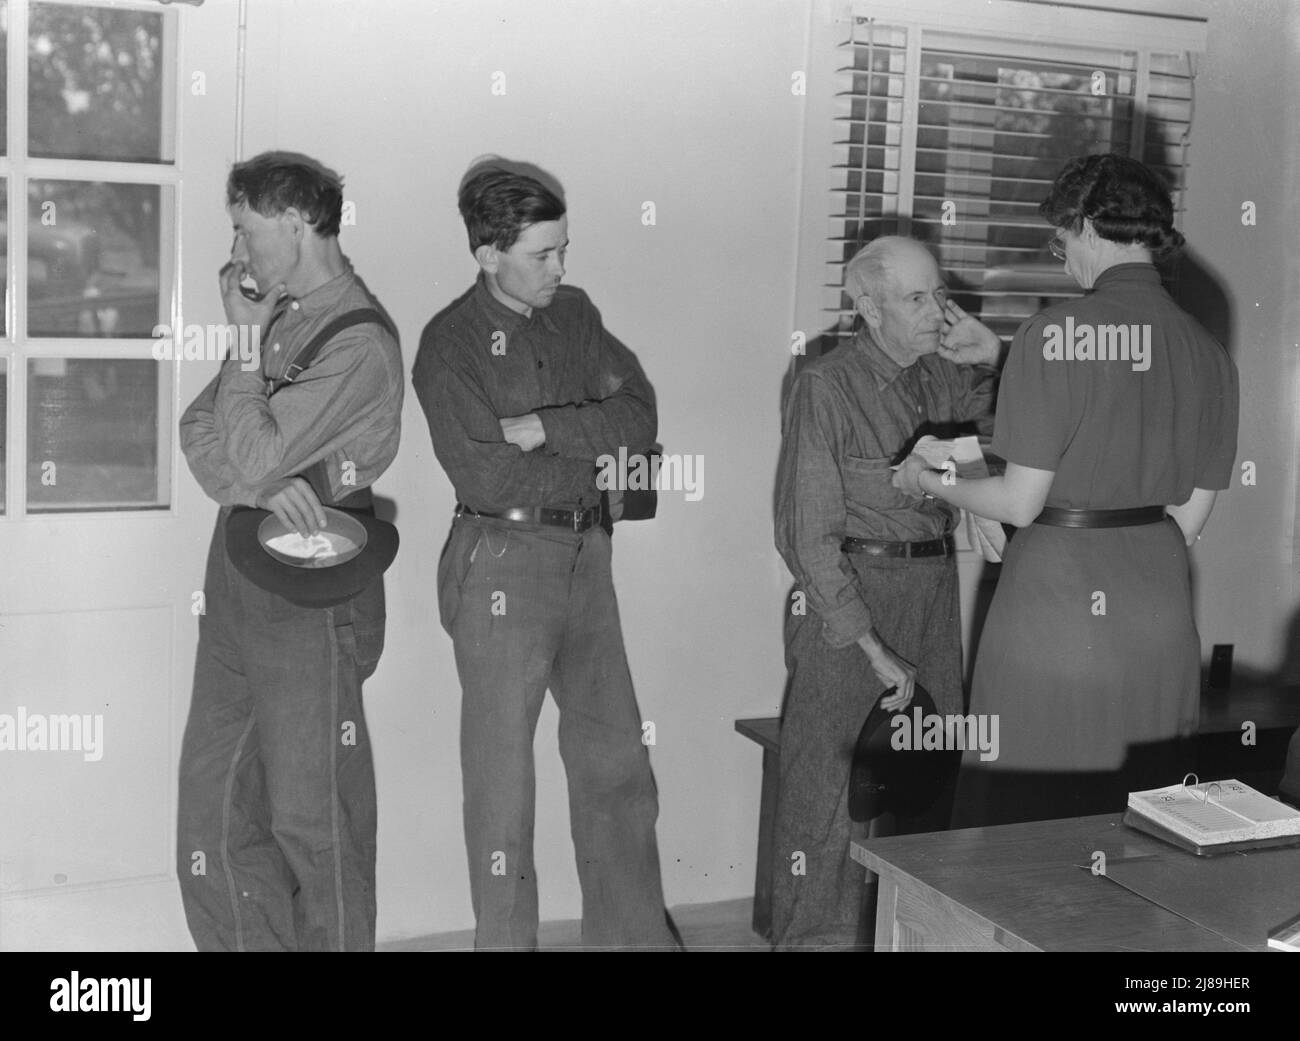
<point x="361" y="624"/>
<point x="458" y="555"/>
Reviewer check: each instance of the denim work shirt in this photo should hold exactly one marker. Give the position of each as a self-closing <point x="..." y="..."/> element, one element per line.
<point x="851" y="414"/>
<point x="480" y="362"/>
<point x="345" y="408"/>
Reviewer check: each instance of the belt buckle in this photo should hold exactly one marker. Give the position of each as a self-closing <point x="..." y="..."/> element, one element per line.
<point x="577" y="521"/>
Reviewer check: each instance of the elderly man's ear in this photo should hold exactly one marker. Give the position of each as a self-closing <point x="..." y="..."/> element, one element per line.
<point x="869" y="310"/>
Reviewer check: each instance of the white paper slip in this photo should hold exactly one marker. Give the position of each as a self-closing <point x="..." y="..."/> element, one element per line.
<point x="967" y="459"/>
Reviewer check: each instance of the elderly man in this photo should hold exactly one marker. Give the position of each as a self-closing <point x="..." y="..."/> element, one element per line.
<point x="875" y="564"/>
<point x="276" y="835"/>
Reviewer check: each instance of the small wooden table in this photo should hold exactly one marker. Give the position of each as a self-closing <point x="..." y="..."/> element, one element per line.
<point x="765" y="731"/>
<point x="1030" y="887"/>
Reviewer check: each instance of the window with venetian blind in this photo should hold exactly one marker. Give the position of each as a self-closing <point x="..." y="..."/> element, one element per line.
<point x="955" y="136"/>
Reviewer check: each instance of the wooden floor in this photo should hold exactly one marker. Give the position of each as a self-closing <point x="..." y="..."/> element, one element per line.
<point x="704" y="927"/>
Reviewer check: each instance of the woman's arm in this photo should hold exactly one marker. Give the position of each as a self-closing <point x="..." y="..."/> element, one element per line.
<point x="1015" y="498"/>
<point x="1192" y="515"/>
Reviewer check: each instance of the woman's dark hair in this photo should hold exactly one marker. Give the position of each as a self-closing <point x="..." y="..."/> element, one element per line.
<point x="1126" y="201"/>
<point x="497" y="205"/>
<point x="273" y="182"/>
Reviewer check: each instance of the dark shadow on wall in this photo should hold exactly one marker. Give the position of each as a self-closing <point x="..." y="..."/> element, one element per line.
<point x="1200" y="291"/>
<point x="515" y="166"/>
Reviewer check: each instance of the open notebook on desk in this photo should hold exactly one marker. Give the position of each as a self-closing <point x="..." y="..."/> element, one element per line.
<point x="1214" y="817"/>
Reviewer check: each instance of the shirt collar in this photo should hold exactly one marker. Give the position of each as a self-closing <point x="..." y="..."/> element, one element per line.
<point x="1140" y="273"/>
<point x="324" y="297"/>
<point x="505" y="317"/>
<point x="881" y="365"/>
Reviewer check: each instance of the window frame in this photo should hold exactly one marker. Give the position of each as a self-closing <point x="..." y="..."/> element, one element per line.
<point x="1171" y="26"/>
<point x="17" y="170"/>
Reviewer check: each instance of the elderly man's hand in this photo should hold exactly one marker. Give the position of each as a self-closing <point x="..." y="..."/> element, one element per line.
<point x="525" y="431"/>
<point x="966" y="340"/>
<point x="890" y="669"/>
<point x="907" y="477"/>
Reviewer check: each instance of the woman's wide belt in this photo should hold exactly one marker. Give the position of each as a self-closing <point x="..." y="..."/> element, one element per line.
<point x="1062" y="518"/>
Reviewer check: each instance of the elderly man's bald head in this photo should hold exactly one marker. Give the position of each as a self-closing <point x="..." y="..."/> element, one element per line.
<point x="869" y="269"/>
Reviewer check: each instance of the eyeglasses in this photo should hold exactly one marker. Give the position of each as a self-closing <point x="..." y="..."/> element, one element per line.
<point x="1057" y="247"/>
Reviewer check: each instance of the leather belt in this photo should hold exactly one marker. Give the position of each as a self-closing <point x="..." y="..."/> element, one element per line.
<point x="577" y="521"/>
<point x="944" y="547"/>
<point x="1062" y="518"/>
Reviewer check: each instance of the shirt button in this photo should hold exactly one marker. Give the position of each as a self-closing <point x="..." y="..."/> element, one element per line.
<point x="539" y="364"/>
<point x="275" y="346"/>
<point x="295" y="305"/>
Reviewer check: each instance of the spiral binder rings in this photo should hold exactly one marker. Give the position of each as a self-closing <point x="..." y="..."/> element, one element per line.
<point x="1214" y="817"/>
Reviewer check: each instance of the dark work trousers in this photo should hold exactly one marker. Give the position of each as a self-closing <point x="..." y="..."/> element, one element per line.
<point x="276" y="830"/>
<point x="531" y="607"/>
<point x="817" y="898"/>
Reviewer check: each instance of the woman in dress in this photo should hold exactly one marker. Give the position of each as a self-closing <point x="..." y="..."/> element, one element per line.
<point x="1117" y="417"/>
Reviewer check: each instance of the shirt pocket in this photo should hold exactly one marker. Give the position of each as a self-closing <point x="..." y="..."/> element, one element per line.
<point x="869" y="483"/>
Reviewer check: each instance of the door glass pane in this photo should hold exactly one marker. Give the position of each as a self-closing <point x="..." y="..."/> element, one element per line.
<point x="92" y="258"/>
<point x="95" y="81"/>
<point x="4" y="256"/>
<point x="93" y="434"/>
<point x="4" y="77"/>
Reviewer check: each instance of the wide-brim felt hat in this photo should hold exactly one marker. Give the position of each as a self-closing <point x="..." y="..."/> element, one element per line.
<point x="883" y="778"/>
<point x="310" y="586"/>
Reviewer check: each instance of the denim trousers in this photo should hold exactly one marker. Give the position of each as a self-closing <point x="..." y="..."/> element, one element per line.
<point x="531" y="608"/>
<point x="277" y="818"/>
<point x="817" y="898"/>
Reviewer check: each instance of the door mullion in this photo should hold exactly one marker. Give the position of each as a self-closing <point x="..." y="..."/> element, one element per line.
<point x="16" y="317"/>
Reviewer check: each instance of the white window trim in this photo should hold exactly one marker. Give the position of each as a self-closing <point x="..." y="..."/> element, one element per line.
<point x="16" y="348"/>
<point x="1165" y="25"/>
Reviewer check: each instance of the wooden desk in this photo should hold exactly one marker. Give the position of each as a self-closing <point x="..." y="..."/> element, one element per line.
<point x="1274" y="709"/>
<point x="1020" y="887"/>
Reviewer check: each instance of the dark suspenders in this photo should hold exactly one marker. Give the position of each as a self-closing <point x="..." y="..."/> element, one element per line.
<point x="317" y="475"/>
<point x="361" y="316"/>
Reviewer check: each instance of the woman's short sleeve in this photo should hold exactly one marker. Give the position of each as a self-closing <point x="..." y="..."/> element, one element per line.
<point x="1217" y="447"/>
<point x="1033" y="419"/>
